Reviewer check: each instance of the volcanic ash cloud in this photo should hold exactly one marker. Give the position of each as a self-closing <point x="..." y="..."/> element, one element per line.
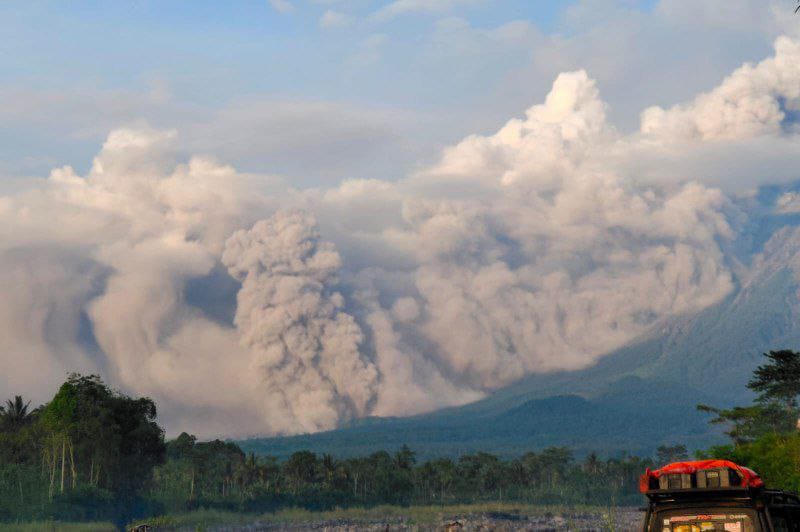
<point x="541" y="247"/>
<point x="304" y="347"/>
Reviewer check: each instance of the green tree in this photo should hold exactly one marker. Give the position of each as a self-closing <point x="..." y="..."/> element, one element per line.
<point x="405" y="458"/>
<point x="593" y="465"/>
<point x="746" y="424"/>
<point x="300" y="469"/>
<point x="775" y="410"/>
<point x="555" y="461"/>
<point x="666" y="454"/>
<point x="445" y="472"/>
<point x="329" y="470"/>
<point x="15" y="412"/>
<point x="779" y="379"/>
<point x="764" y="435"/>
<point x="103" y="441"/>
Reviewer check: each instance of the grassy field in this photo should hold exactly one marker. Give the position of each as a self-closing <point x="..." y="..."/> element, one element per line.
<point x="54" y="526"/>
<point x="413" y="515"/>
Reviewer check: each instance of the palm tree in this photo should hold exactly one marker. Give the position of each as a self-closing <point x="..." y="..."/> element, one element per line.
<point x="15" y="413"/>
<point x="592" y="464"/>
<point x="329" y="467"/>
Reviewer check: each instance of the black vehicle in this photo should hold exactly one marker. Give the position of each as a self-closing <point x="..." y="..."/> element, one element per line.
<point x="715" y="496"/>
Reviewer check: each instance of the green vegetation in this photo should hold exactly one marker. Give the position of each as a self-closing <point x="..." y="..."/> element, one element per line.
<point x="86" y="455"/>
<point x="218" y="475"/>
<point x="56" y="526"/>
<point x="92" y="454"/>
<point x="764" y="436"/>
<point x="414" y="515"/>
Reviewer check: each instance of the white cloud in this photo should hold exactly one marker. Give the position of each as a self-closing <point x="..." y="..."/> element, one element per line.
<point x="744" y="16"/>
<point x="282" y="6"/>
<point x="788" y="203"/>
<point x="311" y="142"/>
<point x="404" y="7"/>
<point x="750" y="102"/>
<point x="334" y="19"/>
<point x="640" y="57"/>
<point x="369" y="50"/>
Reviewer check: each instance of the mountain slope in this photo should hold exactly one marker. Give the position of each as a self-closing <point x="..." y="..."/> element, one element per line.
<point x="634" y="399"/>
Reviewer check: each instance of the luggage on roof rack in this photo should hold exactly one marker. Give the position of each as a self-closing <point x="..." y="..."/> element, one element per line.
<point x="699" y="475"/>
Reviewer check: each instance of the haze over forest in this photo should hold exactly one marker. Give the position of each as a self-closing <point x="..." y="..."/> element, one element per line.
<point x="427" y="269"/>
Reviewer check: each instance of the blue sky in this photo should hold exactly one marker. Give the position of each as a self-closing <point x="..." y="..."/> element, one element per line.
<point x="393" y="81"/>
<point x="211" y="51"/>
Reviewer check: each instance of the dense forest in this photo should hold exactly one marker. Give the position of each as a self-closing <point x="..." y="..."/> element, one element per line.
<point x="92" y="453"/>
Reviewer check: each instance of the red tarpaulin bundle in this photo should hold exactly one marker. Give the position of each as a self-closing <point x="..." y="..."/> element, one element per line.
<point x="750" y="478"/>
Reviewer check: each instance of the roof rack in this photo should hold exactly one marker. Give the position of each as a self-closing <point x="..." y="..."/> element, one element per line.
<point x="703" y="494"/>
<point x="683" y="479"/>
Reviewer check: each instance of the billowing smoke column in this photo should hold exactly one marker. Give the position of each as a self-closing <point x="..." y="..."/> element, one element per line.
<point x="568" y="259"/>
<point x="303" y="345"/>
<point x="539" y="248"/>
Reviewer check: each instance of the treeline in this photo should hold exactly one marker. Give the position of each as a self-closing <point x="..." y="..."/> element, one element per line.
<point x="219" y="475"/>
<point x="94" y="454"/>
